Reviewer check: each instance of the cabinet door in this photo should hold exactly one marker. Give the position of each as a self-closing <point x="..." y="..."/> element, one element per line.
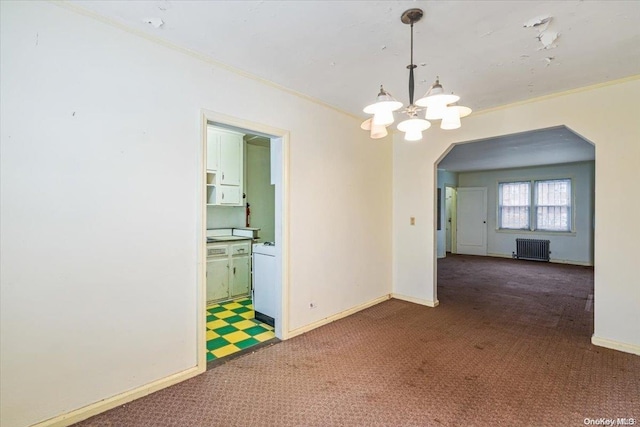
<point x="240" y="275"/>
<point x="217" y="279"/>
<point x="213" y="149"/>
<point x="229" y="195"/>
<point x="230" y="159"/>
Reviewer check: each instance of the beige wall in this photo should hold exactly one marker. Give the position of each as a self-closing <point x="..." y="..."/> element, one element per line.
<point x="607" y="116"/>
<point x="100" y="172"/>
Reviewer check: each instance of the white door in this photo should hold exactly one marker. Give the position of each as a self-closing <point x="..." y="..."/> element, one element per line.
<point x="471" y="218"/>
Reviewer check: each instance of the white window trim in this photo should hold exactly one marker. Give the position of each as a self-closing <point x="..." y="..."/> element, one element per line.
<point x="532" y="218"/>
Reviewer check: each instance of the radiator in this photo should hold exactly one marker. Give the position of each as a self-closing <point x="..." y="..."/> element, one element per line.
<point x="532" y="249"/>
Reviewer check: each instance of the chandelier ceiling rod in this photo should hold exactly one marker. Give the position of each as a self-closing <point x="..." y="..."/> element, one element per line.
<point x="411" y="16"/>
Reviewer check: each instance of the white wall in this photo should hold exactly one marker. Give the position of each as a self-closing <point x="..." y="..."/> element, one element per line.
<point x="100" y="158"/>
<point x="260" y="192"/>
<point x="445" y="179"/>
<point x="605" y="115"/>
<point x="572" y="248"/>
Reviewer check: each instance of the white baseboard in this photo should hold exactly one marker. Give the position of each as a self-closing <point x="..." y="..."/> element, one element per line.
<point x="119" y="399"/>
<point x="616" y="345"/>
<point x="566" y="261"/>
<point x="326" y="320"/>
<point x="420" y="301"/>
<point x="553" y="261"/>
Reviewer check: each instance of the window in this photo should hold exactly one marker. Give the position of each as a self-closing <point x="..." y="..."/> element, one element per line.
<point x="514" y="205"/>
<point x="551" y="202"/>
<point x="553" y="205"/>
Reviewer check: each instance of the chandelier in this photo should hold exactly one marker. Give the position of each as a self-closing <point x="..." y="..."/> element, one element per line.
<point x="436" y="103"/>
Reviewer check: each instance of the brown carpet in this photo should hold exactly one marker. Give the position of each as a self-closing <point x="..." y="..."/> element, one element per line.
<point x="509" y="345"/>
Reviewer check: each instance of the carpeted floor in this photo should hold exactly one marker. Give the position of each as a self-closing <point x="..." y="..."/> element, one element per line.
<point x="509" y="345"/>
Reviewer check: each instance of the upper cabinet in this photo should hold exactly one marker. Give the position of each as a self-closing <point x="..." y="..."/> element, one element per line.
<point x="224" y="167"/>
<point x="213" y="149"/>
<point x="231" y="159"/>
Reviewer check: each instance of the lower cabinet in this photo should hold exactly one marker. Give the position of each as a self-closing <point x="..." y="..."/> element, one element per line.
<point x="228" y="270"/>
<point x="217" y="279"/>
<point x="240" y="277"/>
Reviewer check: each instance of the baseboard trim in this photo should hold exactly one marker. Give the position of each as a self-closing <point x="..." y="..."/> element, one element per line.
<point x="420" y="301"/>
<point x="342" y="314"/>
<point x="119" y="399"/>
<point x="616" y="345"/>
<point x="553" y="261"/>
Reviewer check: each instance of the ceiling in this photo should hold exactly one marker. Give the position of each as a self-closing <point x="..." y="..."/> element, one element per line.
<point x="339" y="52"/>
<point x="536" y="148"/>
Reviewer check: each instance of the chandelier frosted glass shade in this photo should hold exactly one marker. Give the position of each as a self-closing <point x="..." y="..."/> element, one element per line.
<point x="382" y="118"/>
<point x="463" y="111"/>
<point x="413" y="128"/>
<point x="385" y="103"/>
<point x="435" y="112"/>
<point x="451" y="119"/>
<point x="376" y="131"/>
<point x="435" y="96"/>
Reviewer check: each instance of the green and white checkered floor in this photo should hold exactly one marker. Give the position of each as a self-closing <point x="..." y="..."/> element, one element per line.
<point x="231" y="327"/>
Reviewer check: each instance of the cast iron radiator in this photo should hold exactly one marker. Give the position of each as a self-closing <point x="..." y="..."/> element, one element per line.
<point x="532" y="249"/>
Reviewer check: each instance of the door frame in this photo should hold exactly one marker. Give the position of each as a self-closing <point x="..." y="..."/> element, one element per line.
<point x="282" y="224"/>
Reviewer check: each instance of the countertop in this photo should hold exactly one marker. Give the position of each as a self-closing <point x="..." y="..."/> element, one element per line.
<point x="229" y="238"/>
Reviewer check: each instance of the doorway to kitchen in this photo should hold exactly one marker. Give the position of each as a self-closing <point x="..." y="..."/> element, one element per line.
<point x="244" y="232"/>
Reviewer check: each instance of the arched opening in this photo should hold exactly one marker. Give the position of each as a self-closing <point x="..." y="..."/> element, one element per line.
<point x="509" y="201"/>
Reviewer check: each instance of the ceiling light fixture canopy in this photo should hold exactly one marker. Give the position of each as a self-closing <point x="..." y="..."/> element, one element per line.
<point x="438" y="104"/>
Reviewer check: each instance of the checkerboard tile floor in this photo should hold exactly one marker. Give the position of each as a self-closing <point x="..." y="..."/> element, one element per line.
<point x="231" y="328"/>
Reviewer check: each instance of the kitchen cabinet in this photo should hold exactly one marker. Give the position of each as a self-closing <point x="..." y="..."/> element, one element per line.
<point x="217" y="279"/>
<point x="229" y="196"/>
<point x="213" y="149"/>
<point x="240" y="277"/>
<point x="231" y="159"/>
<point x="225" y="160"/>
<point x="228" y="270"/>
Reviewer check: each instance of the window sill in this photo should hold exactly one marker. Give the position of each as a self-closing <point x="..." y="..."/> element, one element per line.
<point x="537" y="232"/>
